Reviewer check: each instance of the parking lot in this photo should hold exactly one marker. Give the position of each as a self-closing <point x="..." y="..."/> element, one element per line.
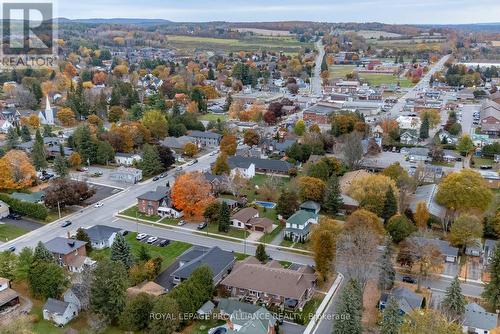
<point x="102" y="192"/>
<point x="160" y="242"/>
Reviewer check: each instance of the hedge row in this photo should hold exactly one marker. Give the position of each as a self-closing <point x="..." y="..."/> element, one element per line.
<point x="33" y="210"/>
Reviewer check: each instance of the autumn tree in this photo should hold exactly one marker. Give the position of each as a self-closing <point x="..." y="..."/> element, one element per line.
<point x="323" y="244"/>
<point x="352" y="149"/>
<point x="66" y="116"/>
<point x="311" y="189"/>
<point x="221" y="166"/>
<point x="429" y="321"/>
<point x="371" y="191"/>
<point x="421" y="215"/>
<point x="228" y="145"/>
<point x="16" y="171"/>
<point x="115" y="114"/>
<point x="466" y="231"/>
<point x="299" y="128"/>
<point x="156" y="123"/>
<point x="66" y="192"/>
<point x="288" y="203"/>
<point x="75" y="160"/>
<point x="251" y="138"/>
<point x="399" y="228"/>
<point x="190" y="149"/>
<point x="192" y="194"/>
<point x="367" y="219"/>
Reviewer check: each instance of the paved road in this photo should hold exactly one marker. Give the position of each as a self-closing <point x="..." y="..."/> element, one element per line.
<point x="422" y="84"/>
<point x="316" y="86"/>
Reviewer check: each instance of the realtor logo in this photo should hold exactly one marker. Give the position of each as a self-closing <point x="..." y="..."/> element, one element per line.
<point x="27" y="34"/>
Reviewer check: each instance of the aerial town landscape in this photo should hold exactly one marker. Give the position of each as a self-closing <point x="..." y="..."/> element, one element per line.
<point x="249" y="173"/>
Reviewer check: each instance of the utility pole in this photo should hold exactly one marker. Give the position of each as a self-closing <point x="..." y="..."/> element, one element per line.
<point x="59" y="209"/>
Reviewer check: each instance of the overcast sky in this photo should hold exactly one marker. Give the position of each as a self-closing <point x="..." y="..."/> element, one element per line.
<point x="387" y="11"/>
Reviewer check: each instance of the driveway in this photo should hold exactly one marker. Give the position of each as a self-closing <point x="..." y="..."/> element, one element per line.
<point x="450" y="269"/>
<point x="164" y="278"/>
<point x="24" y="223"/>
<point x="255" y="236"/>
<point x="473" y="270"/>
<point x="291" y="328"/>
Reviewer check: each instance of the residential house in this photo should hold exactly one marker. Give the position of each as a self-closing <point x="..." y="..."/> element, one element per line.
<point x="231" y="203"/>
<point x="475" y="249"/>
<point x="149" y="202"/>
<point x="69" y="253"/>
<point x="127" y="159"/>
<point x="243" y="167"/>
<point x="5" y="126"/>
<point x="77" y="294"/>
<point x="246" y="318"/>
<point x="408" y="300"/>
<point x="445" y="136"/>
<point x="279" y="147"/>
<point x="427" y="194"/>
<point x="449" y="253"/>
<point x="206" y="138"/>
<point x="219" y="261"/>
<point x="409" y="122"/>
<point x="59" y="312"/>
<point x="451" y="156"/>
<point x="4" y="209"/>
<point x="321" y="112"/>
<point x="409" y="137"/>
<point x="176" y="143"/>
<point x="270" y="284"/>
<point x="310" y="206"/>
<point x="491" y="178"/>
<point x="102" y="236"/>
<point x="219" y="183"/>
<point x="490" y="118"/>
<point x="126" y="175"/>
<point x="8" y="296"/>
<point x="416" y="154"/>
<point x="249" y="218"/>
<point x="206" y="310"/>
<point x="262" y="166"/>
<point x="349" y="204"/>
<point x="477" y="320"/>
<point x="299" y="224"/>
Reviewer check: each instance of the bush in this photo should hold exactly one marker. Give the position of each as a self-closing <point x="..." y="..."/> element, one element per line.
<point x="33" y="210"/>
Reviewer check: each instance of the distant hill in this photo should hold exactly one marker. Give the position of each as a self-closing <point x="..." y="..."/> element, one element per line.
<point x="116" y="21"/>
<point x="493" y="26"/>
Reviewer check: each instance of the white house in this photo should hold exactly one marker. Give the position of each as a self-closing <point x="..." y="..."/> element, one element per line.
<point x="59" y="312"/>
<point x="409" y="122"/>
<point x="101" y="236"/>
<point x="4" y="209"/>
<point x="127" y="159"/>
<point x="46" y="116"/>
<point x="5" y="125"/>
<point x="164" y="211"/>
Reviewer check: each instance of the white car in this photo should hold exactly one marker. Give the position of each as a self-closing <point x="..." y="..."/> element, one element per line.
<point x="98" y="204"/>
<point x="212" y="153"/>
<point x="151" y="240"/>
<point x="141" y="236"/>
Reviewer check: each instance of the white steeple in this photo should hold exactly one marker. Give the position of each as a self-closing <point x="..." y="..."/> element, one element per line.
<point x="49" y="114"/>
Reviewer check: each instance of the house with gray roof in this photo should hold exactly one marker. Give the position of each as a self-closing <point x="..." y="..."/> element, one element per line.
<point x="34" y="197"/>
<point x="478" y="320"/>
<point x="126" y="175"/>
<point x="59" y="312"/>
<point x="298" y="225"/>
<point x="310" y="206"/>
<point x="416" y="154"/>
<point x="149" y="202"/>
<point x="206" y="138"/>
<point x="408" y="300"/>
<point x="102" y="236"/>
<point x="246" y="318"/>
<point x="69" y="253"/>
<point x="279" y="147"/>
<point x="78" y="295"/>
<point x="262" y="166"/>
<point x="219" y="261"/>
<point x="176" y="143"/>
<point x="449" y="253"/>
<point x="427" y="194"/>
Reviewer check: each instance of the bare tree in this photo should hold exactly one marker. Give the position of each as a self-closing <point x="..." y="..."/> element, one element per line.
<point x="25" y="98"/>
<point x="357" y="253"/>
<point x="352" y="149"/>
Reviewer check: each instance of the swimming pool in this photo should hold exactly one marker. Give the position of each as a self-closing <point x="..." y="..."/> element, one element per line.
<point x="267" y="205"/>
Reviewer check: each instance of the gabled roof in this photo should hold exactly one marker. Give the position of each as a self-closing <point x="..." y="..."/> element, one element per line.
<point x="55" y="306"/>
<point x="476" y="317"/>
<point x="427" y="195"/>
<point x="63" y="246"/>
<point x="204" y="134"/>
<point x="443" y="245"/>
<point x="267" y="164"/>
<point x="301" y="217"/>
<point x="101" y="232"/>
<point x="215" y="258"/>
<point x="245" y="214"/>
<point x="407" y="299"/>
<point x="311" y="205"/>
<point x="157" y="195"/>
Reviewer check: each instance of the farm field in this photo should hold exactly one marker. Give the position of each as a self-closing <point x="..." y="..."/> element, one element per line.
<point x="340" y="71"/>
<point x="273" y="43"/>
<point x="376" y="79"/>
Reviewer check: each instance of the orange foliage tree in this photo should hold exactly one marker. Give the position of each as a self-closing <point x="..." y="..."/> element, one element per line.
<point x="192" y="194"/>
<point x="66" y="116"/>
<point x="16" y="170"/>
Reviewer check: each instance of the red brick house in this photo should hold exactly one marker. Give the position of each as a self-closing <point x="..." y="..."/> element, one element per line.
<point x="69" y="253"/>
<point x="149" y="202"/>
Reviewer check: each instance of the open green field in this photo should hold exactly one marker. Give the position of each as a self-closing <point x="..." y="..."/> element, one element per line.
<point x="134" y="213"/>
<point x="9" y="232"/>
<point x="340" y="71"/>
<point x="212" y="117"/>
<point x="168" y="253"/>
<point x="253" y="43"/>
<point x="376" y="79"/>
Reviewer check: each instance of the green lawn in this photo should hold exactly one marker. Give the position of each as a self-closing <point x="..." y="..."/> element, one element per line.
<point x="340" y="71"/>
<point x="377" y="79"/>
<point x="260" y="180"/>
<point x="168" y="253"/>
<point x="298" y="245"/>
<point x="9" y="232"/>
<point x="233" y="232"/>
<point x="202" y="326"/>
<point x="212" y="117"/>
<point x="268" y="237"/>
<point x="133" y="212"/>
<point x="478" y="161"/>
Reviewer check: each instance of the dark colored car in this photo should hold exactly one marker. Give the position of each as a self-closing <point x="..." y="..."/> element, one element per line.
<point x="409" y="279"/>
<point x="15" y="216"/>
<point x="66" y="223"/>
<point x="201" y="226"/>
<point x="156" y="178"/>
<point x="163" y="243"/>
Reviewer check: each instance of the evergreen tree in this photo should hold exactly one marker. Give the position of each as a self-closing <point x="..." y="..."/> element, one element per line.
<point x="288" y="203"/>
<point x="324" y="64"/>
<point x="105" y="152"/>
<point x="61" y="166"/>
<point x="454" y="301"/>
<point x="387" y="273"/>
<point x="390" y="205"/>
<point x="492" y="289"/>
<point x="143" y="254"/>
<point x="61" y="150"/>
<point x="333" y="197"/>
<point x="151" y="163"/>
<point x="12" y="138"/>
<point x="350" y="305"/>
<point x="224" y="218"/>
<point x="85" y="144"/>
<point x="260" y="253"/>
<point x="42" y="254"/>
<point x="120" y="251"/>
<point x="47" y="131"/>
<point x="391" y="318"/>
<point x="25" y="133"/>
<point x="229" y="101"/>
<point x="176" y="111"/>
<point x="211" y="74"/>
<point x="424" y="128"/>
<point x="38" y="154"/>
<point x="82" y="235"/>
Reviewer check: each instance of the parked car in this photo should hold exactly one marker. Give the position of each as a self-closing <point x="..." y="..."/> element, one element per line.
<point x="409" y="279"/>
<point x="66" y="223"/>
<point x="156" y="178"/>
<point x="15" y="216"/>
<point x="201" y="226"/>
<point x="192" y="162"/>
<point x="98" y="204"/>
<point x="486" y="167"/>
<point x="178" y="169"/>
<point x="163" y="243"/>
<point x="12" y="249"/>
<point x="162" y="175"/>
<point x="152" y="240"/>
<point x="181" y="223"/>
<point x="141" y="236"/>
<point x="213" y="153"/>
